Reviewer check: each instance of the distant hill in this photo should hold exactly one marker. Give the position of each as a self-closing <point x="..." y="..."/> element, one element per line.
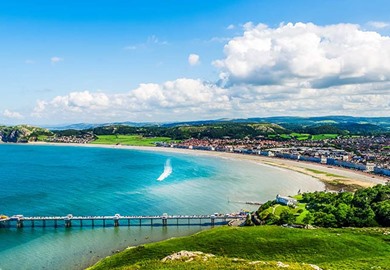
<point x="220" y="128"/>
<point x="22" y="133"/>
<point x="382" y="122"/>
<point x="83" y="126"/>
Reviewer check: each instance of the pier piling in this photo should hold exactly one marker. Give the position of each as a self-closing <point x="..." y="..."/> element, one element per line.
<point x="20" y="224"/>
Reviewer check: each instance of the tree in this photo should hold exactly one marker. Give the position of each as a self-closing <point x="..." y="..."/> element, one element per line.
<point x="382" y="210"/>
<point x="325" y="220"/>
<point x="363" y="217"/>
<point x="286" y="217"/>
<point x="271" y="219"/>
<point x="308" y="218"/>
<point x="342" y="214"/>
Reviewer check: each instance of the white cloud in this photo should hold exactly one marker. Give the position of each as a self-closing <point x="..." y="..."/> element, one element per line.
<point x="56" y="59"/>
<point x="29" y="62"/>
<point x="150" y="41"/>
<point x="155" y="40"/>
<point x="231" y="27"/>
<point x="172" y="99"/>
<point x="193" y="59"/>
<point x="218" y="39"/>
<point x="378" y="25"/>
<point x="130" y="47"/>
<point x="294" y="69"/>
<point x="306" y="55"/>
<point x="12" y="115"/>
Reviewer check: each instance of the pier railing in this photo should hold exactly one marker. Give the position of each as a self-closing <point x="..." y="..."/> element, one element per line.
<point x="117" y="220"/>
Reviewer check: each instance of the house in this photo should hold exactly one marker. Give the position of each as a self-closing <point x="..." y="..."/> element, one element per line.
<point x="286" y="200"/>
<point x="370" y="167"/>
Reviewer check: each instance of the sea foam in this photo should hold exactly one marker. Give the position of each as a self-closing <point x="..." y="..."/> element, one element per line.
<point x="167" y="170"/>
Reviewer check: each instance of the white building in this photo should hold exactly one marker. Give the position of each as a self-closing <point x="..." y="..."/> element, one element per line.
<point x="286" y="200"/>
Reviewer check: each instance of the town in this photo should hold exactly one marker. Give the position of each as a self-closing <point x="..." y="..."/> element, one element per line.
<point x="369" y="153"/>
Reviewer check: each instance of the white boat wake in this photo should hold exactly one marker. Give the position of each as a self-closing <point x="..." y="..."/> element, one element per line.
<point x="167" y="171"/>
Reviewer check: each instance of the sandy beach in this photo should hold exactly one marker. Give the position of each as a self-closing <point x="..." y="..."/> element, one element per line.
<point x="333" y="177"/>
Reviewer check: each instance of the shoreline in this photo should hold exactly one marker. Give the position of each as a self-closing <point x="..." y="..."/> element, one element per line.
<point x="361" y="178"/>
<point x="334" y="178"/>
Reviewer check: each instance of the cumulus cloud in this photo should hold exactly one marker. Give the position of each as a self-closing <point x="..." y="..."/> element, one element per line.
<point x="188" y="99"/>
<point x="294" y="69"/>
<point x="193" y="59"/>
<point x="12" y="115"/>
<point x="306" y="55"/>
<point x="172" y="99"/>
<point x="56" y="59"/>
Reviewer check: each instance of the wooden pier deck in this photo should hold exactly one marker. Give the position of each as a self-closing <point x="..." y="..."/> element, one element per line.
<point x="118" y="220"/>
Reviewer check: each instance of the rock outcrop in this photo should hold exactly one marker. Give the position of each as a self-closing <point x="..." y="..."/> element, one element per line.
<point x="21" y="134"/>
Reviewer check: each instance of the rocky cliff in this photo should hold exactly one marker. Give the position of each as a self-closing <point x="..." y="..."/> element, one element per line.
<point x="21" y="134"/>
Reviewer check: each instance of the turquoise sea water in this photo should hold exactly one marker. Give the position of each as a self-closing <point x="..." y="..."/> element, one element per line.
<point x="52" y="180"/>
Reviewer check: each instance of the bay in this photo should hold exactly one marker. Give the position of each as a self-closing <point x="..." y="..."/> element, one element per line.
<point x="44" y="180"/>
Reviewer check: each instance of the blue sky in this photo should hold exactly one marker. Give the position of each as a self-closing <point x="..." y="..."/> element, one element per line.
<point x="92" y="61"/>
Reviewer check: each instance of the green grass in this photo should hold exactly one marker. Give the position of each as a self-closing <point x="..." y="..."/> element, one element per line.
<point x="134" y="140"/>
<point x="305" y="136"/>
<point x="285" y="136"/>
<point x="279" y="209"/>
<point x="299" y="219"/>
<point x="300" y="136"/>
<point x="361" y="249"/>
<point x="214" y="263"/>
<point x="42" y="138"/>
<point x="325" y="173"/>
<point x="324" y="136"/>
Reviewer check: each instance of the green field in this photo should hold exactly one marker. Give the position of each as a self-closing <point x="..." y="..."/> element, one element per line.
<point x="361" y="249"/>
<point x="324" y="136"/>
<point x="134" y="140"/>
<point x="303" y="136"/>
<point x="299" y="211"/>
<point x="300" y="136"/>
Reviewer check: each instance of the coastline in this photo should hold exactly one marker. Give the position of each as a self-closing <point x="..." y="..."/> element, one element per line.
<point x="288" y="165"/>
<point x="333" y="177"/>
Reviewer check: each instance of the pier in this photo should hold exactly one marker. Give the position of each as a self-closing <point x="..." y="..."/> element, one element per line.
<point x="116" y="220"/>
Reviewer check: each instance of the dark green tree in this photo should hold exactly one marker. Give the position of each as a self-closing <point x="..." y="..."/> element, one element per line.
<point x="307" y="219"/>
<point x="382" y="210"/>
<point x="286" y="217"/>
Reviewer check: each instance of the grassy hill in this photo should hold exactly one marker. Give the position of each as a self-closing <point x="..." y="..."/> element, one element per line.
<point x="361" y="249"/>
<point x="22" y="133"/>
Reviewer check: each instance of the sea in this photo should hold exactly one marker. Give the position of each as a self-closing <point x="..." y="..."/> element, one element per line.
<point x="47" y="180"/>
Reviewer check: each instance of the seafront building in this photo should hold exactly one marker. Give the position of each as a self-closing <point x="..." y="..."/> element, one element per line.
<point x="368" y="154"/>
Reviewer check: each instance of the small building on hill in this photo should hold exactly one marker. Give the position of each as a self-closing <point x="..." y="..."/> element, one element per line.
<point x="286" y="200"/>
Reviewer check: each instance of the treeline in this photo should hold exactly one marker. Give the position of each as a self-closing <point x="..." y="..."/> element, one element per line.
<point x="228" y="130"/>
<point x="212" y="131"/>
<point x="369" y="207"/>
<point x="363" y="129"/>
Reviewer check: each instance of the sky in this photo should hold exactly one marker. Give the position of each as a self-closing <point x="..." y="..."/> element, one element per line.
<point x="99" y="61"/>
